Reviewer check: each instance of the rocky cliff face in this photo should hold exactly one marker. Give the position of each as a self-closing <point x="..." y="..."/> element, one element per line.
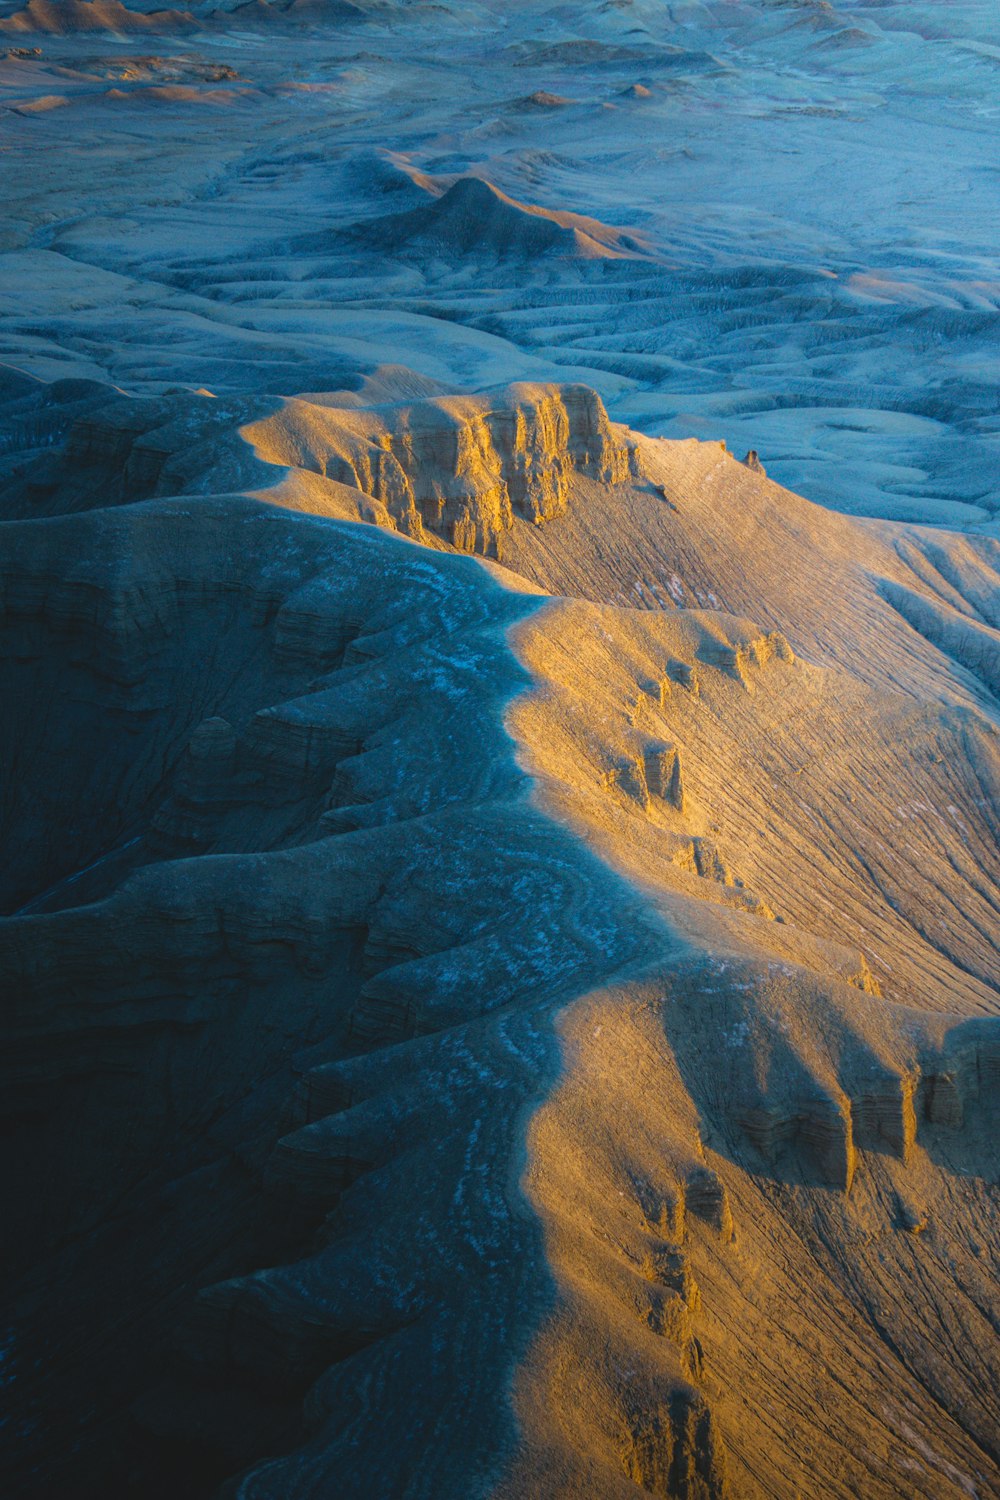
<point x="455" y="468"/>
<point x="460" y="468"/>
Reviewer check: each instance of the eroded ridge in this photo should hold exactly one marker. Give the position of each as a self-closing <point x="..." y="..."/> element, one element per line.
<point x="563" y="1030"/>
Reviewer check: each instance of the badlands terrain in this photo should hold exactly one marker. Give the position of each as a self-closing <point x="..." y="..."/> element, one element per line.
<point x="500" y="615"/>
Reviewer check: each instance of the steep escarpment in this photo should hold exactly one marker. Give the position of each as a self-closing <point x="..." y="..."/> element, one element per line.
<point x="119" y="1011"/>
<point x="499" y="929"/>
<point x="459" y="467"/>
<point x="654" y="944"/>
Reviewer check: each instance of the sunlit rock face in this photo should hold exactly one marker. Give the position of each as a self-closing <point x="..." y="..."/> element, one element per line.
<point x="460" y="468"/>
<point x="498" y="931"/>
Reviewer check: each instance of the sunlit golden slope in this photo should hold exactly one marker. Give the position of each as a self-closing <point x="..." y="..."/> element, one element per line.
<point x="560" y="990"/>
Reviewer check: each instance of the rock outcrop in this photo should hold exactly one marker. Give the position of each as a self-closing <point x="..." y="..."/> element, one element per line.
<point x="663" y="774"/>
<point x="459" y="468"/>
